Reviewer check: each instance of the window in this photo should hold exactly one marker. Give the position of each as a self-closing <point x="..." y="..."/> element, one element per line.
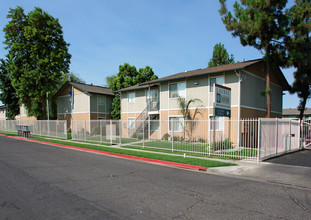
<point x="217" y="80"/>
<point x="219" y="123"/>
<point x="177" y="123"/>
<point x="131" y="97"/>
<point x="101" y="100"/>
<point x="131" y="123"/>
<point x="177" y="90"/>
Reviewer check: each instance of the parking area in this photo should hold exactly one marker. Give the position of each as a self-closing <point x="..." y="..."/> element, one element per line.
<point x="298" y="158"/>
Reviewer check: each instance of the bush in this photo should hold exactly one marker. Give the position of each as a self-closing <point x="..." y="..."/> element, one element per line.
<point x="137" y="136"/>
<point x="96" y="130"/>
<point x="165" y="137"/>
<point x="69" y="135"/>
<point x="223" y="145"/>
<point x="201" y="140"/>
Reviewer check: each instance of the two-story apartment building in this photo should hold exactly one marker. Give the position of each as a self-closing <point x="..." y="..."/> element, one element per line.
<point x="78" y="101"/>
<point x="158" y="99"/>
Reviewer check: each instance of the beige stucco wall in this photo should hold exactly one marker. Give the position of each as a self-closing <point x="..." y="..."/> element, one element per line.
<point x="140" y="100"/>
<point x="81" y="101"/>
<point x="3" y="114"/>
<point x="23" y="114"/>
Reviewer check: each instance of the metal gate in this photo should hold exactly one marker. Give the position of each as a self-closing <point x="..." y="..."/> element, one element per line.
<point x="306" y="133"/>
<point x="278" y="136"/>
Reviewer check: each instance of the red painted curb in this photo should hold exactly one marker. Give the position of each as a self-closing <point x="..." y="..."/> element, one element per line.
<point x="167" y="163"/>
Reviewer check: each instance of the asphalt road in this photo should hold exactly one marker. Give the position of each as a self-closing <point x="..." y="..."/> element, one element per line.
<point x="44" y="182"/>
<point x="298" y="158"/>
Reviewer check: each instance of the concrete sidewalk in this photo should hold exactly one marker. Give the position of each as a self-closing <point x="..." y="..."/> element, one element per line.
<point x="298" y="176"/>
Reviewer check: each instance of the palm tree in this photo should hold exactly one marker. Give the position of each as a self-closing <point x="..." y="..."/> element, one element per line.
<point x="185" y="111"/>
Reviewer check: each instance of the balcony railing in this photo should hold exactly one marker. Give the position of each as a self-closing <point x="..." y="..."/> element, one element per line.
<point x="153" y="106"/>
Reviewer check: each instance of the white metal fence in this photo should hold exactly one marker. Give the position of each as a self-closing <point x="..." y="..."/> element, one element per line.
<point x="255" y="139"/>
<point x="278" y="136"/>
<point x="51" y="128"/>
<point x="234" y="138"/>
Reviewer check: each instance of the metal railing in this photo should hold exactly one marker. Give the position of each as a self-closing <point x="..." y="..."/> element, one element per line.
<point x="51" y="128"/>
<point x="254" y="139"/>
<point x="190" y="137"/>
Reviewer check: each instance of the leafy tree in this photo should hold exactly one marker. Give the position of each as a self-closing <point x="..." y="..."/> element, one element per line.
<point x="220" y="56"/>
<point x="126" y="77"/>
<point x="261" y="24"/>
<point x="184" y="107"/>
<point x="70" y="76"/>
<point x="37" y="56"/>
<point x="8" y="95"/>
<point x="299" y="47"/>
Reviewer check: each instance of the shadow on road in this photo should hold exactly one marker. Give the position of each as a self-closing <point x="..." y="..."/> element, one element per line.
<point x="298" y="158"/>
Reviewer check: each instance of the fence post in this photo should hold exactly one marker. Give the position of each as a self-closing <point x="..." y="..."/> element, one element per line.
<point x="149" y="128"/>
<point x="65" y="129"/>
<point x="172" y="135"/>
<point x="209" y="137"/>
<point x="120" y="132"/>
<point x="299" y="130"/>
<point x="84" y="130"/>
<point x="101" y="131"/>
<point x="277" y="136"/>
<point x="290" y="135"/>
<point x="110" y="132"/>
<point x="259" y="140"/>
<point x="143" y="136"/>
<point x="214" y="124"/>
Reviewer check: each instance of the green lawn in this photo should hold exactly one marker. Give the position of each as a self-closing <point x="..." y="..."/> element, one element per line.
<point x="178" y="159"/>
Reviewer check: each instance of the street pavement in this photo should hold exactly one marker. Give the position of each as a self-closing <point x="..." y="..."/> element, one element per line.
<point x="45" y="182"/>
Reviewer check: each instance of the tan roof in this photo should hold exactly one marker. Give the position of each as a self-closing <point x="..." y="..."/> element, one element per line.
<point x="295" y="111"/>
<point x="89" y="88"/>
<point x="206" y="71"/>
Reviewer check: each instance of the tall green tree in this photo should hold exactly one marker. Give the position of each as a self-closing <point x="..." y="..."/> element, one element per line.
<point x="299" y="47"/>
<point x="126" y="77"/>
<point x="37" y="56"/>
<point x="220" y="56"/>
<point x="262" y="25"/>
<point x="8" y="94"/>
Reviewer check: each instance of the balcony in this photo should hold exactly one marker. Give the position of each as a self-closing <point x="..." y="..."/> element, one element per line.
<point x="153" y="107"/>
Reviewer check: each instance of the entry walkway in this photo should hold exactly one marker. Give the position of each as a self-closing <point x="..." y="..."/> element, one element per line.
<point x="292" y="169"/>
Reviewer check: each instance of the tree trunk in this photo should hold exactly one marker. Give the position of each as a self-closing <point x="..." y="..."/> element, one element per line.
<point x="268" y="90"/>
<point x="44" y="116"/>
<point x="302" y="107"/>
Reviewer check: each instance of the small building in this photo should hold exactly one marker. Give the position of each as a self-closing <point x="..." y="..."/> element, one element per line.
<point x="23" y="116"/>
<point x="3" y="115"/>
<point x="78" y="101"/>
<point x="294" y="113"/>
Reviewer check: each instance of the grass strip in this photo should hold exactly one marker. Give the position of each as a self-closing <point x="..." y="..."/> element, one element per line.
<point x="177" y="159"/>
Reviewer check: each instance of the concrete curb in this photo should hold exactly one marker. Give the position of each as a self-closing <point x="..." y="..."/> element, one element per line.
<point x="166" y="163"/>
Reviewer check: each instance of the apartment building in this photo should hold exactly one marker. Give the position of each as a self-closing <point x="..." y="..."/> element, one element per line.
<point x="78" y="101"/>
<point x="158" y="99"/>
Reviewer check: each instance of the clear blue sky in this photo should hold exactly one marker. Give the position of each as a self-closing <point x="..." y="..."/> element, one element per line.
<point x="170" y="36"/>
